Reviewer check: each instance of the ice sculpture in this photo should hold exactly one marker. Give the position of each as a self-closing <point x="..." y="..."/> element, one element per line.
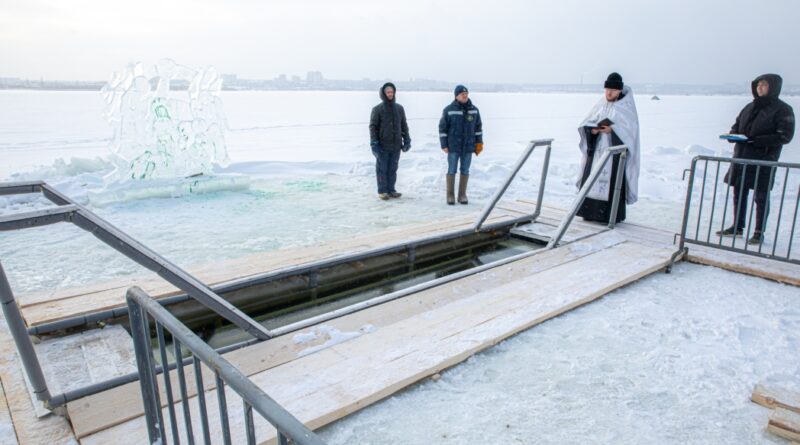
<point x="159" y="133"/>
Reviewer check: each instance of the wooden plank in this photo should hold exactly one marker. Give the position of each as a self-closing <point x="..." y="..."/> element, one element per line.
<point x="117" y="405"/>
<point x="380" y="363"/>
<point x="7" y="434"/>
<point x="79" y="360"/>
<point x="258" y="262"/>
<point x="746" y="264"/>
<point x="279" y="257"/>
<point x="40" y="311"/>
<point x="784" y="423"/>
<point x="541" y="231"/>
<point x="773" y="398"/>
<point x="735" y="262"/>
<point x="29" y="428"/>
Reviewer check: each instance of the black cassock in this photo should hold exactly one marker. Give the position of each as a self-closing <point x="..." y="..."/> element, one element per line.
<point x="594" y="209"/>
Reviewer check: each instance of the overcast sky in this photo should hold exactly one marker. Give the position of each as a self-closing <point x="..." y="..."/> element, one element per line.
<point x="537" y="41"/>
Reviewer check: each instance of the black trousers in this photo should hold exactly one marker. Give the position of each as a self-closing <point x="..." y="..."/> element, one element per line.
<point x="740" y="213"/>
<point x="386" y="163"/>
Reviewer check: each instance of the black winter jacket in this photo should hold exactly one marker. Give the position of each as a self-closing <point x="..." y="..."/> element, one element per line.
<point x="388" y="128"/>
<point x="768" y="123"/>
<point x="460" y="127"/>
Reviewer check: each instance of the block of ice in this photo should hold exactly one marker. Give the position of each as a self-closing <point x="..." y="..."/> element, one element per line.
<point x="160" y="133"/>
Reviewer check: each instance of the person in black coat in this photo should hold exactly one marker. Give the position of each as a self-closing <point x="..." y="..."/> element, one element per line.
<point x="388" y="132"/>
<point x="768" y="124"/>
<point x="460" y="135"/>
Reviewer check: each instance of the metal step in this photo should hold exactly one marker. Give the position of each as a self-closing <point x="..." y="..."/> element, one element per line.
<point x="542" y="232"/>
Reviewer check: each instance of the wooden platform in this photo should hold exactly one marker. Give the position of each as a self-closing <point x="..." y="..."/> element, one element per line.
<point x="43" y="308"/>
<point x="409" y="339"/>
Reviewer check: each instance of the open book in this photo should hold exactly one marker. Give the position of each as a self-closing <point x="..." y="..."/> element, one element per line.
<point x="604" y="123"/>
<point x="733" y="137"/>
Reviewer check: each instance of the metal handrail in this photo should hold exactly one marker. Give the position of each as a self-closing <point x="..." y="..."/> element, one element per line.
<point x="704" y="238"/>
<point x="70" y="211"/>
<point x="310" y="269"/>
<point x="140" y="305"/>
<point x="622" y="150"/>
<point x="409" y="249"/>
<point x="520" y="162"/>
<point x="16" y="324"/>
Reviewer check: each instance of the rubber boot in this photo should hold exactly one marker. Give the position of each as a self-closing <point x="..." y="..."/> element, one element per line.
<point x="451" y="185"/>
<point x="462" y="189"/>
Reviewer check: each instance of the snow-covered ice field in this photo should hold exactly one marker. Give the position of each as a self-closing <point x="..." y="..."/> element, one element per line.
<point x="306" y="156"/>
<point x="665" y="360"/>
<point x="668" y="360"/>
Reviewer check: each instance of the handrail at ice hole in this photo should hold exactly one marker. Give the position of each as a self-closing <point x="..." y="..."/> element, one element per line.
<point x="622" y="150"/>
<point x="70" y="211"/>
<point x="520" y="162"/>
<point x="704" y="237"/>
<point x="140" y="305"/>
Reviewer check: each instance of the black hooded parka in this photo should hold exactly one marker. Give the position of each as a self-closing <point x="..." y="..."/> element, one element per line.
<point x="387" y="123"/>
<point x="768" y="123"/>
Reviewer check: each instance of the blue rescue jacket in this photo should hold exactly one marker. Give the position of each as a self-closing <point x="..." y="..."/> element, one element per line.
<point x="460" y="127"/>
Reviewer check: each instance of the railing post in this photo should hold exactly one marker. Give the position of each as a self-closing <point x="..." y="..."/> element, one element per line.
<point x="16" y="324"/>
<point x="520" y="162"/>
<point x="147" y="379"/>
<point x="543" y="179"/>
<point x="682" y="242"/>
<point x="593" y="176"/>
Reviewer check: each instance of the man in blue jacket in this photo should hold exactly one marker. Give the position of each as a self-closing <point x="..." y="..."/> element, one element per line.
<point x="460" y="135"/>
<point x="388" y="133"/>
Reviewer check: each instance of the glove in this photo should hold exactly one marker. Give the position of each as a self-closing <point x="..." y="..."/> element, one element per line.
<point x="478" y="148"/>
<point x="407" y="146"/>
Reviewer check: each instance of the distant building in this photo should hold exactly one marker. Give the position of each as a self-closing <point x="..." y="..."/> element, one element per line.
<point x="229" y="78"/>
<point x="314" y="77"/>
<point x="282" y="78"/>
<point x="296" y="79"/>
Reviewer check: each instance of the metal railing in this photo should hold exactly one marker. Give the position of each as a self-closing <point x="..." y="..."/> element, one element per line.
<point x="548" y="143"/>
<point x="16" y="324"/>
<point x="141" y="308"/>
<point x="69" y="211"/>
<point x="622" y="150"/>
<point x="704" y="210"/>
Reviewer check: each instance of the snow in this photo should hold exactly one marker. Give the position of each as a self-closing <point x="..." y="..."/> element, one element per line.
<point x="77" y="361"/>
<point x="654" y="363"/>
<point x="650" y="363"/>
<point x="329" y="335"/>
<point x="302" y="173"/>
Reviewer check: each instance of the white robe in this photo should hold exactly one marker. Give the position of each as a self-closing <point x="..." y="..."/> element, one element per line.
<point x="626" y="126"/>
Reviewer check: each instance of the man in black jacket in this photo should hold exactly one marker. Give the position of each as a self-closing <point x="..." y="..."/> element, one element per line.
<point x="768" y="124"/>
<point x="388" y="132"/>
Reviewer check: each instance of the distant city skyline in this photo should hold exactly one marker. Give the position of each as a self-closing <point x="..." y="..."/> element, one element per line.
<point x="316" y="80"/>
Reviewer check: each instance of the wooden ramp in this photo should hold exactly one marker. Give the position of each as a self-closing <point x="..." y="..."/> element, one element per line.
<point x="455" y="322"/>
<point x="407" y="339"/>
<point x="41" y="308"/>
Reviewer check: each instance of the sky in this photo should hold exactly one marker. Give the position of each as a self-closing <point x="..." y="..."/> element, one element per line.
<point x="505" y="41"/>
